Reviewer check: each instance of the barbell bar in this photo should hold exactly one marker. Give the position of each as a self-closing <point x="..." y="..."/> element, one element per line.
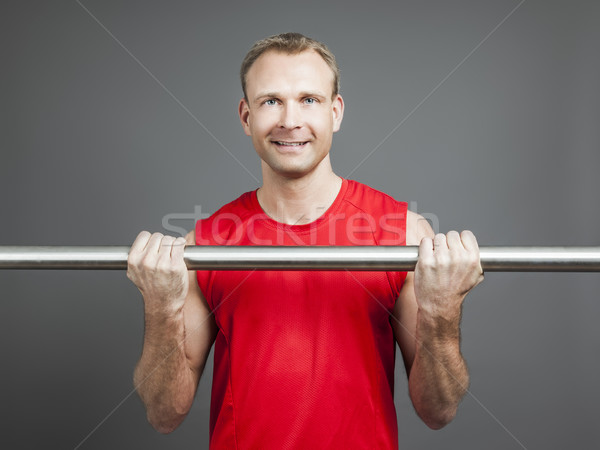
<point x="368" y="258"/>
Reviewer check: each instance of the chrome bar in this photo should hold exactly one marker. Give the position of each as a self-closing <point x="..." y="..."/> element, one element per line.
<point x="373" y="258"/>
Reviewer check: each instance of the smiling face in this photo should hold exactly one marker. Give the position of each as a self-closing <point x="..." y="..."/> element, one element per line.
<point x="289" y="112"/>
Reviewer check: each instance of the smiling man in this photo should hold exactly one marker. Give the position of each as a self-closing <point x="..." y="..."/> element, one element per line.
<point x="291" y="110"/>
<point x="302" y="359"/>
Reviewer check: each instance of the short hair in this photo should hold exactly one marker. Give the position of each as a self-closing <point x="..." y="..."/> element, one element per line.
<point x="290" y="43"/>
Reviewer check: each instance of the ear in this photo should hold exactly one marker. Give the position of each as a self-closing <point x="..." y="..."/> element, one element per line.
<point x="244" y="112"/>
<point x="337" y="109"/>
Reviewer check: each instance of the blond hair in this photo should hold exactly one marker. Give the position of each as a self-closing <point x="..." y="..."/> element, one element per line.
<point x="290" y="43"/>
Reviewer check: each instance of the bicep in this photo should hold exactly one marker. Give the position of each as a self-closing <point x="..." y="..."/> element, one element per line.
<point x="404" y="321"/>
<point x="200" y="326"/>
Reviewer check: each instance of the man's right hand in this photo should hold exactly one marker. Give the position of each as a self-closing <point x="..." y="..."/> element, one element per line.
<point x="156" y="266"/>
<point x="179" y="328"/>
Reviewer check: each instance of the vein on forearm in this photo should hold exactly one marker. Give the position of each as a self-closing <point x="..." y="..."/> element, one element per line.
<point x="439" y="376"/>
<point x="162" y="376"/>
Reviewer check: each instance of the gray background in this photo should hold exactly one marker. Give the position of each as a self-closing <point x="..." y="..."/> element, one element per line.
<point x="95" y="149"/>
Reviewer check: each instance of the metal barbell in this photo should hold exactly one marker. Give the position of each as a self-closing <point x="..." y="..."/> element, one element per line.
<point x="364" y="258"/>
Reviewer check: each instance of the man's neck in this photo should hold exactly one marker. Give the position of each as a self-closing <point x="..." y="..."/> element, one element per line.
<point x="296" y="201"/>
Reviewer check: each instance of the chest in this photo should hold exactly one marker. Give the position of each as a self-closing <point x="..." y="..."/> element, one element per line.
<point x="268" y="300"/>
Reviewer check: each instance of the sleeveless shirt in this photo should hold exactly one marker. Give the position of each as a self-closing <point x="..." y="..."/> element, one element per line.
<point x="304" y="359"/>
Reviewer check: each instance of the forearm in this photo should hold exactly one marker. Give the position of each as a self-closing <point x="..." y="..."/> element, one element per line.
<point x="163" y="377"/>
<point x="439" y="376"/>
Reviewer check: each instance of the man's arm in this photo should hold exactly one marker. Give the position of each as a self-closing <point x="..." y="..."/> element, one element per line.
<point x="427" y="316"/>
<point x="179" y="328"/>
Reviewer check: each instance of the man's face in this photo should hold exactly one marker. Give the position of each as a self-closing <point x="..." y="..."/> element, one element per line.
<point x="290" y="113"/>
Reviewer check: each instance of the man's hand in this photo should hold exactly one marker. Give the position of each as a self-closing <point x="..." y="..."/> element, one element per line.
<point x="447" y="269"/>
<point x="179" y="328"/>
<point x="156" y="266"/>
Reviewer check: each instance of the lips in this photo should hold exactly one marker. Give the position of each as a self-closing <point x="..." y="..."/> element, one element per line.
<point x="290" y="147"/>
<point x="290" y="144"/>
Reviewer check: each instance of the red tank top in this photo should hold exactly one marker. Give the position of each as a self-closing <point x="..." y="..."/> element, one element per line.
<point x="304" y="360"/>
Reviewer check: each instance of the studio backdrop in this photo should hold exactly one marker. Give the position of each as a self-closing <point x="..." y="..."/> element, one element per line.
<point x="118" y="117"/>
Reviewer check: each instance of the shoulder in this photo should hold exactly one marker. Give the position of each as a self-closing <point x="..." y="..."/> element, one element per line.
<point x="369" y="199"/>
<point x="190" y="238"/>
<point x="241" y="206"/>
<point x="235" y="211"/>
<point x="417" y="228"/>
<point x="356" y="189"/>
<point x="227" y="218"/>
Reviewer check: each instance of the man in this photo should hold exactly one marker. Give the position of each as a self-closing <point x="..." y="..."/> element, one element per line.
<point x="302" y="359"/>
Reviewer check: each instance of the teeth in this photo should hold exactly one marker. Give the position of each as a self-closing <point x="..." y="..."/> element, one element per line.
<point x="289" y="143"/>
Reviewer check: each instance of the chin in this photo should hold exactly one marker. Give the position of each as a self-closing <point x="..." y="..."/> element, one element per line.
<point x="292" y="166"/>
<point x="292" y="172"/>
<point x="289" y="168"/>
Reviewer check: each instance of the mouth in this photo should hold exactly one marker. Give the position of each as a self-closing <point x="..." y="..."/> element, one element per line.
<point x="290" y="144"/>
<point x="290" y="147"/>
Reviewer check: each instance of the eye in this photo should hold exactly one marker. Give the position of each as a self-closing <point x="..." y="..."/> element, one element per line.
<point x="310" y="100"/>
<point x="270" y="102"/>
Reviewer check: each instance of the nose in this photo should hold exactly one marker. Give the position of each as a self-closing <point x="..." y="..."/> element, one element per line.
<point x="290" y="116"/>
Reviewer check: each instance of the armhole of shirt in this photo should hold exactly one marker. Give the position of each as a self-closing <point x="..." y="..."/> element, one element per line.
<point x="203" y="277"/>
<point x="396" y="279"/>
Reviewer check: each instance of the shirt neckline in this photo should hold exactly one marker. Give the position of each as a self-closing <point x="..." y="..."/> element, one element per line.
<point x="268" y="221"/>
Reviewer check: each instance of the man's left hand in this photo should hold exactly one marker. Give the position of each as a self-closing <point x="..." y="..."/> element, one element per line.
<point x="447" y="269"/>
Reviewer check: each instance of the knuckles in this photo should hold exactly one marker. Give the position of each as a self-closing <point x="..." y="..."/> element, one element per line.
<point x="151" y="254"/>
<point x="449" y="252"/>
<point x="156" y="266"/>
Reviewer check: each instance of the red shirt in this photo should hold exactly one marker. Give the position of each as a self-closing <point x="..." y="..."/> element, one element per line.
<point x="304" y="360"/>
